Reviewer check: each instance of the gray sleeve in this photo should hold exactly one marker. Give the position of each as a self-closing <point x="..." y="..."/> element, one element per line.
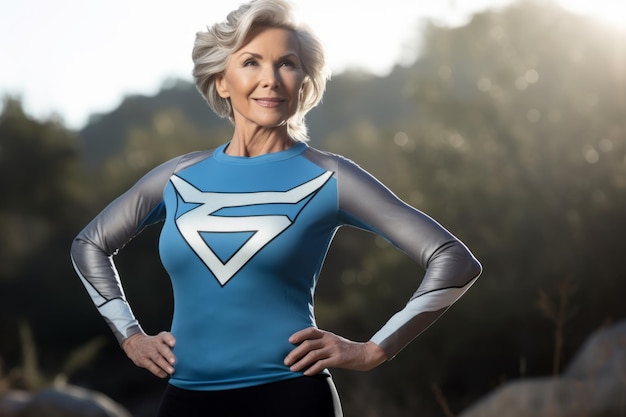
<point x="93" y="248"/>
<point x="449" y="267"/>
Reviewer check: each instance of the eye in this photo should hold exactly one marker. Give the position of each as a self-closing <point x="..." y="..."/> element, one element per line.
<point x="288" y="63"/>
<point x="249" y="63"/>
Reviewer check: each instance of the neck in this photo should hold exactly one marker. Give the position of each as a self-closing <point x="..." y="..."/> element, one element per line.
<point x="259" y="144"/>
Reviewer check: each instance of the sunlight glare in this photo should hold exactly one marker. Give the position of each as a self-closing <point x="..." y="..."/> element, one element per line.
<point x="612" y="12"/>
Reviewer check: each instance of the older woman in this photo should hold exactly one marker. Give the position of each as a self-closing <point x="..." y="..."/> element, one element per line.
<point x="246" y="228"/>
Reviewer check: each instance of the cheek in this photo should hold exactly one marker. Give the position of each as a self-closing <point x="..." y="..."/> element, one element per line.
<point x="295" y="86"/>
<point x="235" y="86"/>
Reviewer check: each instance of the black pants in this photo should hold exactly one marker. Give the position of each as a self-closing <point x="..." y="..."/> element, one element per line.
<point x="313" y="396"/>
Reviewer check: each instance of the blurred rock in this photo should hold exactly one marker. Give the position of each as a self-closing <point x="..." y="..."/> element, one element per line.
<point x="593" y="385"/>
<point x="12" y="402"/>
<point x="66" y="401"/>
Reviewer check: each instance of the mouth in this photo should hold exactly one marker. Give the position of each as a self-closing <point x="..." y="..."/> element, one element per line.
<point x="269" y="101"/>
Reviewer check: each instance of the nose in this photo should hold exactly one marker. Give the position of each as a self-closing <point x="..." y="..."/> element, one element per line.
<point x="270" y="77"/>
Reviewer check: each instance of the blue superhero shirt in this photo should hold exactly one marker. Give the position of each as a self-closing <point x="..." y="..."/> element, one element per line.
<point x="244" y="241"/>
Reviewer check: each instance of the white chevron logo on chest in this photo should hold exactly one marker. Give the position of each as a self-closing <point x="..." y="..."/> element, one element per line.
<point x="263" y="228"/>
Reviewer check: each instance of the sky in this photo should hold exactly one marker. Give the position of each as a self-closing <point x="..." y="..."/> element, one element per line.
<point x="74" y="58"/>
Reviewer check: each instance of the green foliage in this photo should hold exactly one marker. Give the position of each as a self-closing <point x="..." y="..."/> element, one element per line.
<point x="39" y="170"/>
<point x="166" y="134"/>
<point x="106" y="134"/>
<point x="29" y="375"/>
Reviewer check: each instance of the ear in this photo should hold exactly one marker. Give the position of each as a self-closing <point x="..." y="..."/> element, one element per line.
<point x="221" y="87"/>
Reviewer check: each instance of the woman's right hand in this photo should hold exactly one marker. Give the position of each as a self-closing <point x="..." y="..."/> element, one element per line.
<point x="153" y="353"/>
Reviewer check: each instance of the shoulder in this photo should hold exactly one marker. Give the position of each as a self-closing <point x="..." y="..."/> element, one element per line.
<point x="158" y="176"/>
<point x="328" y="160"/>
<point x="184" y="161"/>
<point x="346" y="171"/>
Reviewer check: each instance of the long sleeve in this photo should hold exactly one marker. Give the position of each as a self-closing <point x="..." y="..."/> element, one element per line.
<point x="450" y="268"/>
<point x="93" y="248"/>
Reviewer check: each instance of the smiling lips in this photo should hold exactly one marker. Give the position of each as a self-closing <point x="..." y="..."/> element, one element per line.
<point x="270" y="102"/>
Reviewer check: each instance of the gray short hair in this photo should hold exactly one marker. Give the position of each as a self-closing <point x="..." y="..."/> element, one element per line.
<point x="213" y="48"/>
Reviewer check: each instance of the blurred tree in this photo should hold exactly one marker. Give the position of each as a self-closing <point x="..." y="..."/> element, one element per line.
<point x="40" y="178"/>
<point x="526" y="99"/>
<point x="105" y="134"/>
<point x="166" y="134"/>
<point x="45" y="193"/>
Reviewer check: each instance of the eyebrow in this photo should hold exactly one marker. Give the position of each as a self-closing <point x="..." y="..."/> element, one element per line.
<point x="259" y="56"/>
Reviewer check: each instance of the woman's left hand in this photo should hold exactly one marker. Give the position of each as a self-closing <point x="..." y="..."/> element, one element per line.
<point x="318" y="349"/>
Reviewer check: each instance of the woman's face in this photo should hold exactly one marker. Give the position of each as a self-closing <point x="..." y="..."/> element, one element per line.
<point x="263" y="79"/>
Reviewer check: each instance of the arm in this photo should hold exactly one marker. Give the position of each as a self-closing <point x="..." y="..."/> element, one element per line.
<point x="92" y="255"/>
<point x="450" y="268"/>
<point x="93" y="249"/>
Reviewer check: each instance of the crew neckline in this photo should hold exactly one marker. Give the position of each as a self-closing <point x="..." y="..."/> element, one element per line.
<point x="295" y="150"/>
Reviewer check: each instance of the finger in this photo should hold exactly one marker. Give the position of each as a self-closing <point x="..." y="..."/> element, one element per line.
<point x="313" y="364"/>
<point x="317" y="367"/>
<point x="302" y="350"/>
<point x="154" y="353"/>
<point x="164" y="364"/>
<point x="156" y="363"/>
<point x="305" y="334"/>
<point x="168" y="339"/>
<point x="156" y="369"/>
<point x="309" y="359"/>
<point x="166" y="352"/>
